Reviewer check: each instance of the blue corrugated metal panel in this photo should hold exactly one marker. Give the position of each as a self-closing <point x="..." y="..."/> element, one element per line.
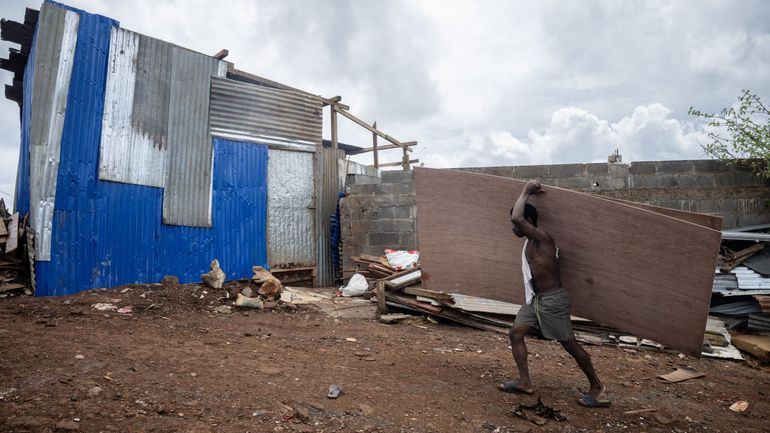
<point x="21" y="201"/>
<point x="107" y="234"/>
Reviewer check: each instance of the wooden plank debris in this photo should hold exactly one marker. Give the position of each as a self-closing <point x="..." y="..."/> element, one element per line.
<point x="757" y="345"/>
<point x="618" y="262"/>
<point x="736" y="259"/>
<point x="680" y="375"/>
<point x="13" y="234"/>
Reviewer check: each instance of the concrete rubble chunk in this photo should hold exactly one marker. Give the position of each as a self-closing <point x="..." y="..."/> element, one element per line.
<point x="214" y="278"/>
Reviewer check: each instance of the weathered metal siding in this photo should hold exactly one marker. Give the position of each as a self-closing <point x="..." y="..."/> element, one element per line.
<point x="155" y="128"/>
<point x="108" y="233"/>
<point x="55" y="50"/>
<point x="133" y="151"/>
<point x="291" y="225"/>
<point x="257" y="113"/>
<point x="328" y="189"/>
<point x="187" y="195"/>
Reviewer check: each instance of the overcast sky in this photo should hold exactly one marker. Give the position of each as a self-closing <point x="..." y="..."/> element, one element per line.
<point x="477" y="83"/>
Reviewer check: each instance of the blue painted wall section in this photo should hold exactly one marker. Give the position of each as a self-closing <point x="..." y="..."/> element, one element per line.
<point x="107" y="234"/>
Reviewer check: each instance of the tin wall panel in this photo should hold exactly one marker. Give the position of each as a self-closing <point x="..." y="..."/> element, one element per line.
<point x="328" y="189"/>
<point x="291" y="226"/>
<point x="264" y="114"/>
<point x="133" y="149"/>
<point x="109" y="233"/>
<point x="187" y="195"/>
<point x="55" y="50"/>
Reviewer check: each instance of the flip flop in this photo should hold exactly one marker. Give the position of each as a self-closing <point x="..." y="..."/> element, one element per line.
<point x="512" y="386"/>
<point x="590" y="401"/>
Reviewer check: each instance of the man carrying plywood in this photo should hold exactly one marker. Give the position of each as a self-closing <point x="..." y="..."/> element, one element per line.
<point x="547" y="305"/>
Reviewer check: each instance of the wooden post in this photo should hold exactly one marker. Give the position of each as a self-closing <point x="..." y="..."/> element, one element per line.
<point x="334" y="131"/>
<point x="405" y="160"/>
<point x="335" y="170"/>
<point x="374" y="147"/>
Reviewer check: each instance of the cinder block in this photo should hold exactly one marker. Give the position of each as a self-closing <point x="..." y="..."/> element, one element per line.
<point x="578" y="183"/>
<point x="710" y="166"/>
<point x="494" y="171"/>
<point x="617" y="170"/>
<point x="674" y="167"/>
<point x="570" y="170"/>
<point x="525" y="172"/>
<point x="641" y="168"/>
<point x="387" y="212"/>
<point x="361" y="179"/>
<point x="401" y="212"/>
<point x="404" y="225"/>
<point x="404" y="188"/>
<point x="385" y="240"/>
<point x="408" y="241"/>
<point x="367" y="189"/>
<point x="397" y="176"/>
<point x="384" y="189"/>
<point x="388" y="225"/>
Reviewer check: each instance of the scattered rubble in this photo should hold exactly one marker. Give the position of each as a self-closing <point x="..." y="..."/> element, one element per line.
<point x="214" y="278"/>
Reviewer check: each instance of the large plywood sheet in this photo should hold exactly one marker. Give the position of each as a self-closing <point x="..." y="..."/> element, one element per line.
<point x="623" y="266"/>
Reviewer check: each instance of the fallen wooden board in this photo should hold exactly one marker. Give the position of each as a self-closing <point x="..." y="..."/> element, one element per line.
<point x="623" y="266"/>
<point x="757" y="345"/>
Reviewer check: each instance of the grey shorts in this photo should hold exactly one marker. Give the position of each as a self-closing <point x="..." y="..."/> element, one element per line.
<point x="550" y="314"/>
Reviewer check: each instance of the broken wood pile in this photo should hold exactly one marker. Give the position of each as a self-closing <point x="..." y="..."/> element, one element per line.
<point x="741" y="292"/>
<point x="15" y="255"/>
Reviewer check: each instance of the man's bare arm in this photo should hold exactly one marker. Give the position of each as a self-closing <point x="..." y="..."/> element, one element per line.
<point x="517" y="215"/>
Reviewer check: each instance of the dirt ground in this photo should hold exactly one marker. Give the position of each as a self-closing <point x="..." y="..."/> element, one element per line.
<point x="176" y="365"/>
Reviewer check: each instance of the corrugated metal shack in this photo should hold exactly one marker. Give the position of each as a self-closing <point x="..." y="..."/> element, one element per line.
<point x="141" y="159"/>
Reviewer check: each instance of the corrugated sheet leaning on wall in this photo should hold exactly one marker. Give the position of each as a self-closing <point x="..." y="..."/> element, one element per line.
<point x="155" y="129"/>
<point x="250" y="112"/>
<point x="329" y="187"/>
<point x="291" y="229"/>
<point x="55" y="51"/>
<point x="108" y="233"/>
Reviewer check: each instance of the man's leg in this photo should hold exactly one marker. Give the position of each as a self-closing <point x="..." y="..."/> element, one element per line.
<point x="519" y="351"/>
<point x="584" y="361"/>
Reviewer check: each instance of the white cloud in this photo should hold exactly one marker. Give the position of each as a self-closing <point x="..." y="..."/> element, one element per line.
<point x="574" y="135"/>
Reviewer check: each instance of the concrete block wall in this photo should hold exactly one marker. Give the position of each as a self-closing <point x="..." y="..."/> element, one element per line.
<point x="383" y="213"/>
<point x="383" y="210"/>
<point x="705" y="186"/>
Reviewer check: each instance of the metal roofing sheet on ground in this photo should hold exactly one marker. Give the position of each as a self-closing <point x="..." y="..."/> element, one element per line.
<point x="187" y="194"/>
<point x="257" y="113"/>
<point x="55" y="42"/>
<point x="291" y="208"/>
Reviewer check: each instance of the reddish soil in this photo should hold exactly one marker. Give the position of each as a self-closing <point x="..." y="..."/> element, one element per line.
<point x="174" y="364"/>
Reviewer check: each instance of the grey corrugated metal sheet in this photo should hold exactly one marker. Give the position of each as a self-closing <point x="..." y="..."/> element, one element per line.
<point x="132" y="150"/>
<point x="56" y="38"/>
<point x="187" y="197"/>
<point x="327" y="191"/>
<point x="155" y="127"/>
<point x="290" y="209"/>
<point x="245" y="111"/>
